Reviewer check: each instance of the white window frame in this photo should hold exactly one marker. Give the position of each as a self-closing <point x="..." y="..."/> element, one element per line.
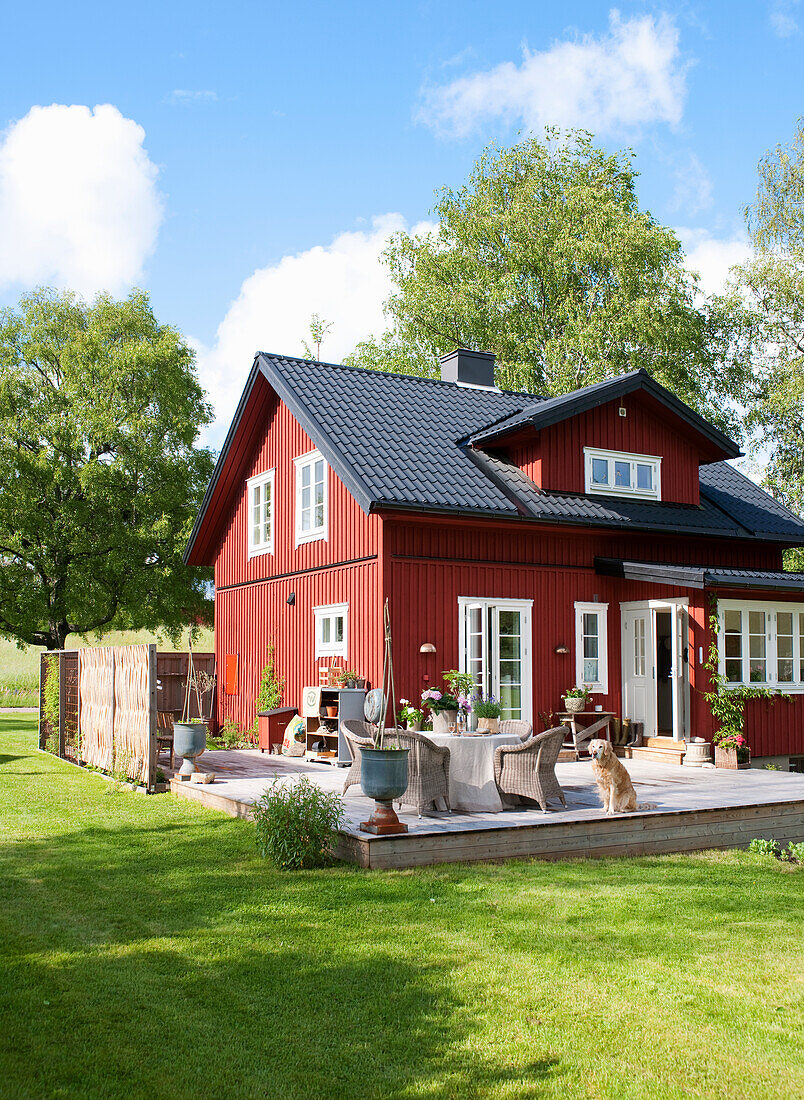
<point x="490" y="656"/>
<point x="266" y="478"/>
<point x="315" y="533"/>
<point x="654" y="461"/>
<point x="772" y="610"/>
<point x="601" y="685"/>
<point x="332" y="648"/>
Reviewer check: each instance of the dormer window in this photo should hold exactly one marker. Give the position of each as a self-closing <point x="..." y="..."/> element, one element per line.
<point x="617" y="473"/>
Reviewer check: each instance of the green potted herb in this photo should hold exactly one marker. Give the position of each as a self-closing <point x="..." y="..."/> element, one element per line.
<point x="487" y="711"/>
<point x="350" y="678"/>
<point x="575" y="699"/>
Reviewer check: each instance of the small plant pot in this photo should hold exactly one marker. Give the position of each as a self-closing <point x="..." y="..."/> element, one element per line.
<point x="726" y="757"/>
<point x="189" y="742"/>
<point x="332" y="712"/>
<point x="488" y="725"/>
<point x="574" y="705"/>
<point x="443" y="719"/>
<point x="383" y="777"/>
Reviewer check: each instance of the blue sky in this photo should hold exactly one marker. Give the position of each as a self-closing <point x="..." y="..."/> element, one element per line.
<point x="254" y="156"/>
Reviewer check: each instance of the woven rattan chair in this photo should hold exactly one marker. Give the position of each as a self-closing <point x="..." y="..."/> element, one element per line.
<point x="519" y="727"/>
<point x="356" y="734"/>
<point x="428" y="771"/>
<point x="529" y="769"/>
<point x="164" y="733"/>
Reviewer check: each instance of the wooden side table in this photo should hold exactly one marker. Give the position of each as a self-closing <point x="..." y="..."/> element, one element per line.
<point x="584" y="725"/>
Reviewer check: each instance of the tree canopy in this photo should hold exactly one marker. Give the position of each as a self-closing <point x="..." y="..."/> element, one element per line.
<point x="771" y="286"/>
<point x="545" y="259"/>
<point x="100" y="474"/>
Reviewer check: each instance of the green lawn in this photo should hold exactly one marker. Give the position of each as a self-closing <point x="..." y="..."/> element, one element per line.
<point x="145" y="951"/>
<point x="19" y="668"/>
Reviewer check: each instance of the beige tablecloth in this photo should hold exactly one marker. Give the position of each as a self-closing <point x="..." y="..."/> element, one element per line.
<point x="471" y="770"/>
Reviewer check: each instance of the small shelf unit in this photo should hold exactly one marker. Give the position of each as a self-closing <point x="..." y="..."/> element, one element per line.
<point x="323" y="710"/>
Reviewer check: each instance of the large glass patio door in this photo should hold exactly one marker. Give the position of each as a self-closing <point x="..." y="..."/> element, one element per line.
<point x="495" y="648"/>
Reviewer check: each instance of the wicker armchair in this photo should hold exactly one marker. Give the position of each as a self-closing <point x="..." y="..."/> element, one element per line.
<point x="529" y="769"/>
<point x="356" y="734"/>
<point x="519" y="727"/>
<point x="428" y="771"/>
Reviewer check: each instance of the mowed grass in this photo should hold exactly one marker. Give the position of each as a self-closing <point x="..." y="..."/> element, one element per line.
<point x="146" y="951"/>
<point x="19" y="668"/>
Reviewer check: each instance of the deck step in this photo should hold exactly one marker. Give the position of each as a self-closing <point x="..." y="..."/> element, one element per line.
<point x="664" y="755"/>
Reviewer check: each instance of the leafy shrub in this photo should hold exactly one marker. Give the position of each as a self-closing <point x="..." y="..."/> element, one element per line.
<point x="794" y="853"/>
<point x="765" y="847"/>
<point x="297" y="824"/>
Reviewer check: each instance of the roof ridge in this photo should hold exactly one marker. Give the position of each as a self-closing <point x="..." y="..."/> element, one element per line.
<point x="395" y="374"/>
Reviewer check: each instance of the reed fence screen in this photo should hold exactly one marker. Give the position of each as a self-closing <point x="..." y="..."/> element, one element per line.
<point x="99" y="705"/>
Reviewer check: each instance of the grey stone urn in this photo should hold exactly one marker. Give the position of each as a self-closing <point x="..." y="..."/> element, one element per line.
<point x="189" y="742"/>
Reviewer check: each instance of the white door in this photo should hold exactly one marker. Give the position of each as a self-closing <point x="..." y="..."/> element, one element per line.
<point x="495" y="648"/>
<point x="639" y="668"/>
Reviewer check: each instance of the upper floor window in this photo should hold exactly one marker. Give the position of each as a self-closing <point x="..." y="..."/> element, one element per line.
<point x="311" y="497"/>
<point x="260" y="491"/>
<point x="761" y="644"/>
<point x="621" y="474"/>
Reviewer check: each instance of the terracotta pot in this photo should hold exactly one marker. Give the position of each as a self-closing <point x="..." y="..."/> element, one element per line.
<point x="332" y="712"/>
<point x="443" y="719"/>
<point x="488" y="725"/>
<point x="573" y="705"/>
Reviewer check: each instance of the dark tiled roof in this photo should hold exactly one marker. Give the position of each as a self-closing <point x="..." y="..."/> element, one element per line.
<point x="401" y="442"/>
<point x="753" y="578"/>
<point x="552" y="410"/>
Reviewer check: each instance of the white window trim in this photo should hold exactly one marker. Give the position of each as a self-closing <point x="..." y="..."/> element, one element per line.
<point x="794" y="687"/>
<point x="525" y="607"/>
<point x="315" y="534"/>
<point x="600" y="686"/>
<point x="654" y="461"/>
<point x="331" y="649"/>
<point x="260" y="479"/>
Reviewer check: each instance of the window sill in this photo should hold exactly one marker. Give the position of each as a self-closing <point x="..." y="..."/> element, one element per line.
<point x="788" y="689"/>
<point x="258" y="552"/>
<point x="628" y="494"/>
<point x="311" y="536"/>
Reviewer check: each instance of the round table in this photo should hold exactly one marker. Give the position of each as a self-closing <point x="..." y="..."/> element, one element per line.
<point x="471" y="770"/>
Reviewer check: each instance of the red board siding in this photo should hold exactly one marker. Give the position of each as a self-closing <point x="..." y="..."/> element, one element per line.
<point x="555" y="460"/>
<point x="247" y="619"/>
<point x="352" y="534"/>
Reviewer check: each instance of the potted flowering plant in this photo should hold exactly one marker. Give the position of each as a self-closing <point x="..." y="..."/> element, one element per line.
<point x="575" y="699"/>
<point x="731" y="750"/>
<point x="409" y="716"/>
<point x="443" y="709"/>
<point x="488" y="710"/>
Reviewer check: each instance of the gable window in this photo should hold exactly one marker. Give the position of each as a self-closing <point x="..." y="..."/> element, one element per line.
<point x="592" y="646"/>
<point x="761" y="643"/>
<point x="311" y="497"/>
<point x="260" y="491"/>
<point x="331" y="629"/>
<point x="624" y="475"/>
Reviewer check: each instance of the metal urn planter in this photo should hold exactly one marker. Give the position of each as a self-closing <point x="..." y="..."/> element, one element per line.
<point x="384" y="777"/>
<point x="189" y="742"/>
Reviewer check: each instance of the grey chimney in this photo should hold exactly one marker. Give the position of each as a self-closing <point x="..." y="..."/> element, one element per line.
<point x="468" y="368"/>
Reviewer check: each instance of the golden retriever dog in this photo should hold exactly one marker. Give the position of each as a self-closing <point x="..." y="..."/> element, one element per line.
<point x="613" y="781"/>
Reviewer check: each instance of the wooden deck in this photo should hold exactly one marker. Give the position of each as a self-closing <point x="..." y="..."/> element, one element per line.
<point x="695" y="808"/>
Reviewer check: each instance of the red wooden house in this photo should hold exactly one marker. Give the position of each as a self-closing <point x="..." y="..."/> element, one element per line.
<point x="537" y="543"/>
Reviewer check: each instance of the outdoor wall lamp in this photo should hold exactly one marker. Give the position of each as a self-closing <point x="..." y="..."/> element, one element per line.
<point x="561" y="649"/>
<point x="291" y="599"/>
<point x="428" y="647"/>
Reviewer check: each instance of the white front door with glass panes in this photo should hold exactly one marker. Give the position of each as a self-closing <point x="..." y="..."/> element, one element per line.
<point x="495" y="647"/>
<point x="761" y="644"/>
<point x="639" y="673"/>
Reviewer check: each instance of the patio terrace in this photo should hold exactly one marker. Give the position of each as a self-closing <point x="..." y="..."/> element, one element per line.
<point x="696" y="808"/>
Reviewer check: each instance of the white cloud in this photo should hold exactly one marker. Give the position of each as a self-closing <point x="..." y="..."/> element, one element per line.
<point x="344" y="282"/>
<point x="693" y="189"/>
<point x="185" y="96"/>
<point x="712" y="257"/>
<point x="78" y="201"/>
<point x="626" y="78"/>
<point x="782" y="18"/>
